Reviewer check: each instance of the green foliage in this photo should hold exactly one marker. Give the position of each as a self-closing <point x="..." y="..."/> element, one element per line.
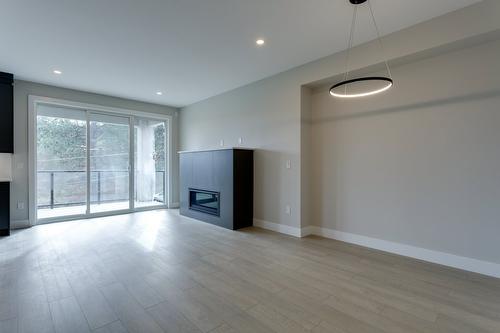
<point x="109" y="146"/>
<point x="61" y="144"/>
<point x="159" y="155"/>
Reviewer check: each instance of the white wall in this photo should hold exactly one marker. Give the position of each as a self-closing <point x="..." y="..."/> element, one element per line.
<point x="420" y="164"/>
<point x="22" y="89"/>
<point x="267" y="114"/>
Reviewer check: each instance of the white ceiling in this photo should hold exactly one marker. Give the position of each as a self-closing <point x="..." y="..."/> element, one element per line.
<point x="188" y="49"/>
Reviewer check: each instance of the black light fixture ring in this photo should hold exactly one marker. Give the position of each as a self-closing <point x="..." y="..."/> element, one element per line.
<point x="389" y="81"/>
<point x="359" y="79"/>
<point x="357" y="2"/>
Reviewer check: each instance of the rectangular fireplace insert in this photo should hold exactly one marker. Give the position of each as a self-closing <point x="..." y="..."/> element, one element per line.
<point x="204" y="201"/>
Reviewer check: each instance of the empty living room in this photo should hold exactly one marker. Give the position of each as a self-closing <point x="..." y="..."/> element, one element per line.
<point x="224" y="166"/>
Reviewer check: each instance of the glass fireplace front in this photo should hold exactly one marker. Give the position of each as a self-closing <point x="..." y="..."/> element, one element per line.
<point x="204" y="201"/>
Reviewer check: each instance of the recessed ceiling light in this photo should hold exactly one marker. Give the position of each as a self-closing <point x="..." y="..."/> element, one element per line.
<point x="57" y="72"/>
<point x="159" y="93"/>
<point x="260" y="42"/>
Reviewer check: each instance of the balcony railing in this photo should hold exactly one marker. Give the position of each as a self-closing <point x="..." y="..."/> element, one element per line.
<point x="62" y="188"/>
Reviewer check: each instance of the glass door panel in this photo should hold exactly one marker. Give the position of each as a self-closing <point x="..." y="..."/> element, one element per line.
<point x="84" y="162"/>
<point x="61" y="161"/>
<point x="109" y="168"/>
<point x="150" y="162"/>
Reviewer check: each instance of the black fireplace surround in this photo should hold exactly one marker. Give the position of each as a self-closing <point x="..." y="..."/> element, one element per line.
<point x="216" y="186"/>
<point x="6" y="144"/>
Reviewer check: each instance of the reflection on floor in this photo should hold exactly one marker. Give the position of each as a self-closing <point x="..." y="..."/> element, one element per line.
<point x="44" y="213"/>
<point x="159" y="272"/>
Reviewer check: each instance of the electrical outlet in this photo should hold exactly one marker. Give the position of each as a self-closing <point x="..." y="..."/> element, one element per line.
<point x="288" y="210"/>
<point x="221" y="143"/>
<point x="20" y="205"/>
<point x="288" y="164"/>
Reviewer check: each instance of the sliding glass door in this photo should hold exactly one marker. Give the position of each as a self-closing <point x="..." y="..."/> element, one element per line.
<point x="109" y="163"/>
<point x="95" y="163"/>
<point x="61" y="162"/>
<point x="150" y="162"/>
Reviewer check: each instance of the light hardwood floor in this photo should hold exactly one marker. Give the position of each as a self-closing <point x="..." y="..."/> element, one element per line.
<point x="159" y="272"/>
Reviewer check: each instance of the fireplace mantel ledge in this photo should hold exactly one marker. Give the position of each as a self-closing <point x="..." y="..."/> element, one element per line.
<point x="213" y="149"/>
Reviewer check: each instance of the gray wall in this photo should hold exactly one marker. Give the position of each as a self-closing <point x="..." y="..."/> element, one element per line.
<point x="22" y="89"/>
<point x="267" y="114"/>
<point x="255" y="115"/>
<point x="420" y="164"/>
<point x="305" y="157"/>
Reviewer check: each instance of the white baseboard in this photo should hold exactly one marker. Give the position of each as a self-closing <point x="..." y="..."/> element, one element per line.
<point x="281" y="228"/>
<point x="19" y="224"/>
<point x="437" y="257"/>
<point x="306" y="231"/>
<point x="174" y="205"/>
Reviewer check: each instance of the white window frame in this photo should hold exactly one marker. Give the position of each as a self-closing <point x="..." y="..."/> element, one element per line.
<point x="34" y="101"/>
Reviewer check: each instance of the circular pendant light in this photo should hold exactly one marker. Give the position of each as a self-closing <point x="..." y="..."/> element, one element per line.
<point x="362" y="86"/>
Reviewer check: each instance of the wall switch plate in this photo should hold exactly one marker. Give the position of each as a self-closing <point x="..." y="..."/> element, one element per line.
<point x="221" y="143"/>
<point x="288" y="164"/>
<point x="19" y="165"/>
<point x="288" y="210"/>
<point x="240" y="140"/>
<point x="20" y="205"/>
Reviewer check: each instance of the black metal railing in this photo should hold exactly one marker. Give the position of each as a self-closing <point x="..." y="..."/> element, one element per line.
<point x="74" y="187"/>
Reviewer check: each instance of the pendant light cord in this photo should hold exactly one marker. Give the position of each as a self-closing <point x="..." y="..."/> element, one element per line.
<point x="379" y="40"/>
<point x="347" y="83"/>
<point x="351" y="41"/>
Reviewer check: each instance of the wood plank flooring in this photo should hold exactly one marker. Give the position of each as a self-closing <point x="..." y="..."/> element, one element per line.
<point x="160" y="272"/>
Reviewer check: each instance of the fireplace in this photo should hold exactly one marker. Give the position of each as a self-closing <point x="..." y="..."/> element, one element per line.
<point x="204" y="201"/>
<point x="216" y="186"/>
